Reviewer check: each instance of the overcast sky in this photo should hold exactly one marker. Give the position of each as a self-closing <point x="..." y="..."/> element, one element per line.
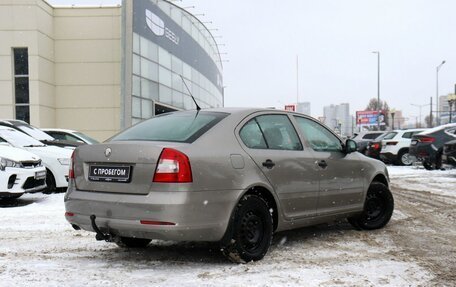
<point x="334" y="40"/>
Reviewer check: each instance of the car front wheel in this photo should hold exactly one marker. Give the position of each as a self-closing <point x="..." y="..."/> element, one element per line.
<point x="378" y="208"/>
<point x="251" y="231"/>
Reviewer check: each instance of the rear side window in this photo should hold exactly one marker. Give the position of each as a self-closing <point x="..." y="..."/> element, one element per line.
<point x="270" y="132"/>
<point x="390" y="135"/>
<point x="183" y="127"/>
<point x="407" y="135"/>
<point x="371" y="136"/>
<point x="252" y="136"/>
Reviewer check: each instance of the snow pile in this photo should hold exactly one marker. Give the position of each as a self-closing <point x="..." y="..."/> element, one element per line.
<point x="39" y="248"/>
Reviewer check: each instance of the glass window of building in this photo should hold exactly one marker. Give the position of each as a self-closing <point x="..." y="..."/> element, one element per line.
<point x="164" y="58"/>
<point x="21" y="84"/>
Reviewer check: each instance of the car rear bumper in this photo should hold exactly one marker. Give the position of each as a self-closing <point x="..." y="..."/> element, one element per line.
<point x="196" y="215"/>
<point x="423" y="153"/>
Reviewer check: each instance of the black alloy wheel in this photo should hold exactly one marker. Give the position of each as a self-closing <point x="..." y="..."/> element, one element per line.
<point x="250" y="231"/>
<point x="378" y="208"/>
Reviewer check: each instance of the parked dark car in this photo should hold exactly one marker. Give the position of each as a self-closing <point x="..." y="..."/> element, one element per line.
<point x="427" y="146"/>
<point x="374" y="147"/>
<point x="362" y="139"/>
<point x="37" y="134"/>
<point x="449" y="153"/>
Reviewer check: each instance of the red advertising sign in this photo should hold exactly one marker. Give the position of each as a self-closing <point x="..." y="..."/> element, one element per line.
<point x="291" y="108"/>
<point x="369" y="118"/>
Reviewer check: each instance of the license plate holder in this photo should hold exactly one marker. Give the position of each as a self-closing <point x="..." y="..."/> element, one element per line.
<point x="40" y="174"/>
<point x="109" y="173"/>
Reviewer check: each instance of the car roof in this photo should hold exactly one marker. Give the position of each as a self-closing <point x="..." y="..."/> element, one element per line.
<point x="409" y="130"/>
<point x="243" y="112"/>
<point x="7" y="128"/>
<point x="438" y="128"/>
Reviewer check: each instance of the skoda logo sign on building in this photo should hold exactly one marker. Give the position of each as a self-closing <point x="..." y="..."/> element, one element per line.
<point x="157" y="26"/>
<point x="155" y="23"/>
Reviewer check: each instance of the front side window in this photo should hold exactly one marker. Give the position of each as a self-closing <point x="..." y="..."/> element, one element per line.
<point x="319" y="138"/>
<point x="270" y="132"/>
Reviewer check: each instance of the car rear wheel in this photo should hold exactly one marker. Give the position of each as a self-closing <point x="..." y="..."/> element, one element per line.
<point x="131" y="242"/>
<point x="250" y="231"/>
<point x="404" y="158"/>
<point x="378" y="208"/>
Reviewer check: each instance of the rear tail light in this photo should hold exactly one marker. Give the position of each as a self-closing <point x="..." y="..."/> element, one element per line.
<point x="391" y="143"/>
<point x="376" y="146"/>
<point x="173" y="166"/>
<point x="426" y="139"/>
<point x="71" y="171"/>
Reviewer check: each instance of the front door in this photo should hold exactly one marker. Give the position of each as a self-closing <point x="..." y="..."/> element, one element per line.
<point x="341" y="174"/>
<point x="272" y="142"/>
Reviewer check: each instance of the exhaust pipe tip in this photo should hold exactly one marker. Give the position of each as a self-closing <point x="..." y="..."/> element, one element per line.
<point x="75" y="227"/>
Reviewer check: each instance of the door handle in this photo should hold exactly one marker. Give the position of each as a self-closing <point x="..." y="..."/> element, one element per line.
<point x="322" y="163"/>
<point x="268" y="164"/>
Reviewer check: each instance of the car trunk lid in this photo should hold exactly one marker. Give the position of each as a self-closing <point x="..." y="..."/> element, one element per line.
<point x="118" y="167"/>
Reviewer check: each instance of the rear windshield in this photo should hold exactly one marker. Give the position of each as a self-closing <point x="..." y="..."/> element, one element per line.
<point x="183" y="127"/>
<point x="371" y="136"/>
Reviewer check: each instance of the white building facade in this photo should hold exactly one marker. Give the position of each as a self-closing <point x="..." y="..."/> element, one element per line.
<point x="339" y="119"/>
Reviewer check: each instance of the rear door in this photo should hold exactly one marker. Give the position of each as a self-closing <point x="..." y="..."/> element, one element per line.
<point x="341" y="175"/>
<point x="272" y="142"/>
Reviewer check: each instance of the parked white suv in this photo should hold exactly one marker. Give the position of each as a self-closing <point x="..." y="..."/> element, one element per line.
<point x="20" y="172"/>
<point x="395" y="146"/>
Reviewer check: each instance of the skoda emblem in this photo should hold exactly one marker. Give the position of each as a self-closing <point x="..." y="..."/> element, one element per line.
<point x="108" y="152"/>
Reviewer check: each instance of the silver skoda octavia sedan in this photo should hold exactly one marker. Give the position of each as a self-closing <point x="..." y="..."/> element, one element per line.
<point x="234" y="176"/>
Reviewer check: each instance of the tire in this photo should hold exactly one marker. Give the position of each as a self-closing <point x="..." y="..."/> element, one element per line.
<point x="250" y="231"/>
<point x="428" y="165"/>
<point x="438" y="159"/>
<point x="378" y="208"/>
<point x="50" y="182"/>
<point x="130" y="242"/>
<point x="403" y="158"/>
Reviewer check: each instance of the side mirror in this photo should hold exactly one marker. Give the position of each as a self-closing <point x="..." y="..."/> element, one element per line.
<point x="350" y="146"/>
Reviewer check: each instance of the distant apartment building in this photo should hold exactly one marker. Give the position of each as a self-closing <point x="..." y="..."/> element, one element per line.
<point x="338" y="118"/>
<point x="303" y="108"/>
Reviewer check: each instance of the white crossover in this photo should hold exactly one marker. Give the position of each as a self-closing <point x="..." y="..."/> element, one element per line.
<point x="20" y="172"/>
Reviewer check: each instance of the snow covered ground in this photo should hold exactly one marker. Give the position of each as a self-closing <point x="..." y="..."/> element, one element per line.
<point x="418" y="248"/>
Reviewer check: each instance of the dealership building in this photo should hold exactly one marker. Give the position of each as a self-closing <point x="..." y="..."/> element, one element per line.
<point x="101" y="69"/>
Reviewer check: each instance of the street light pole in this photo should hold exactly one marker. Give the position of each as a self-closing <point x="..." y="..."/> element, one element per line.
<point x="437" y="69"/>
<point x="378" y="88"/>
<point x="420" y="106"/>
